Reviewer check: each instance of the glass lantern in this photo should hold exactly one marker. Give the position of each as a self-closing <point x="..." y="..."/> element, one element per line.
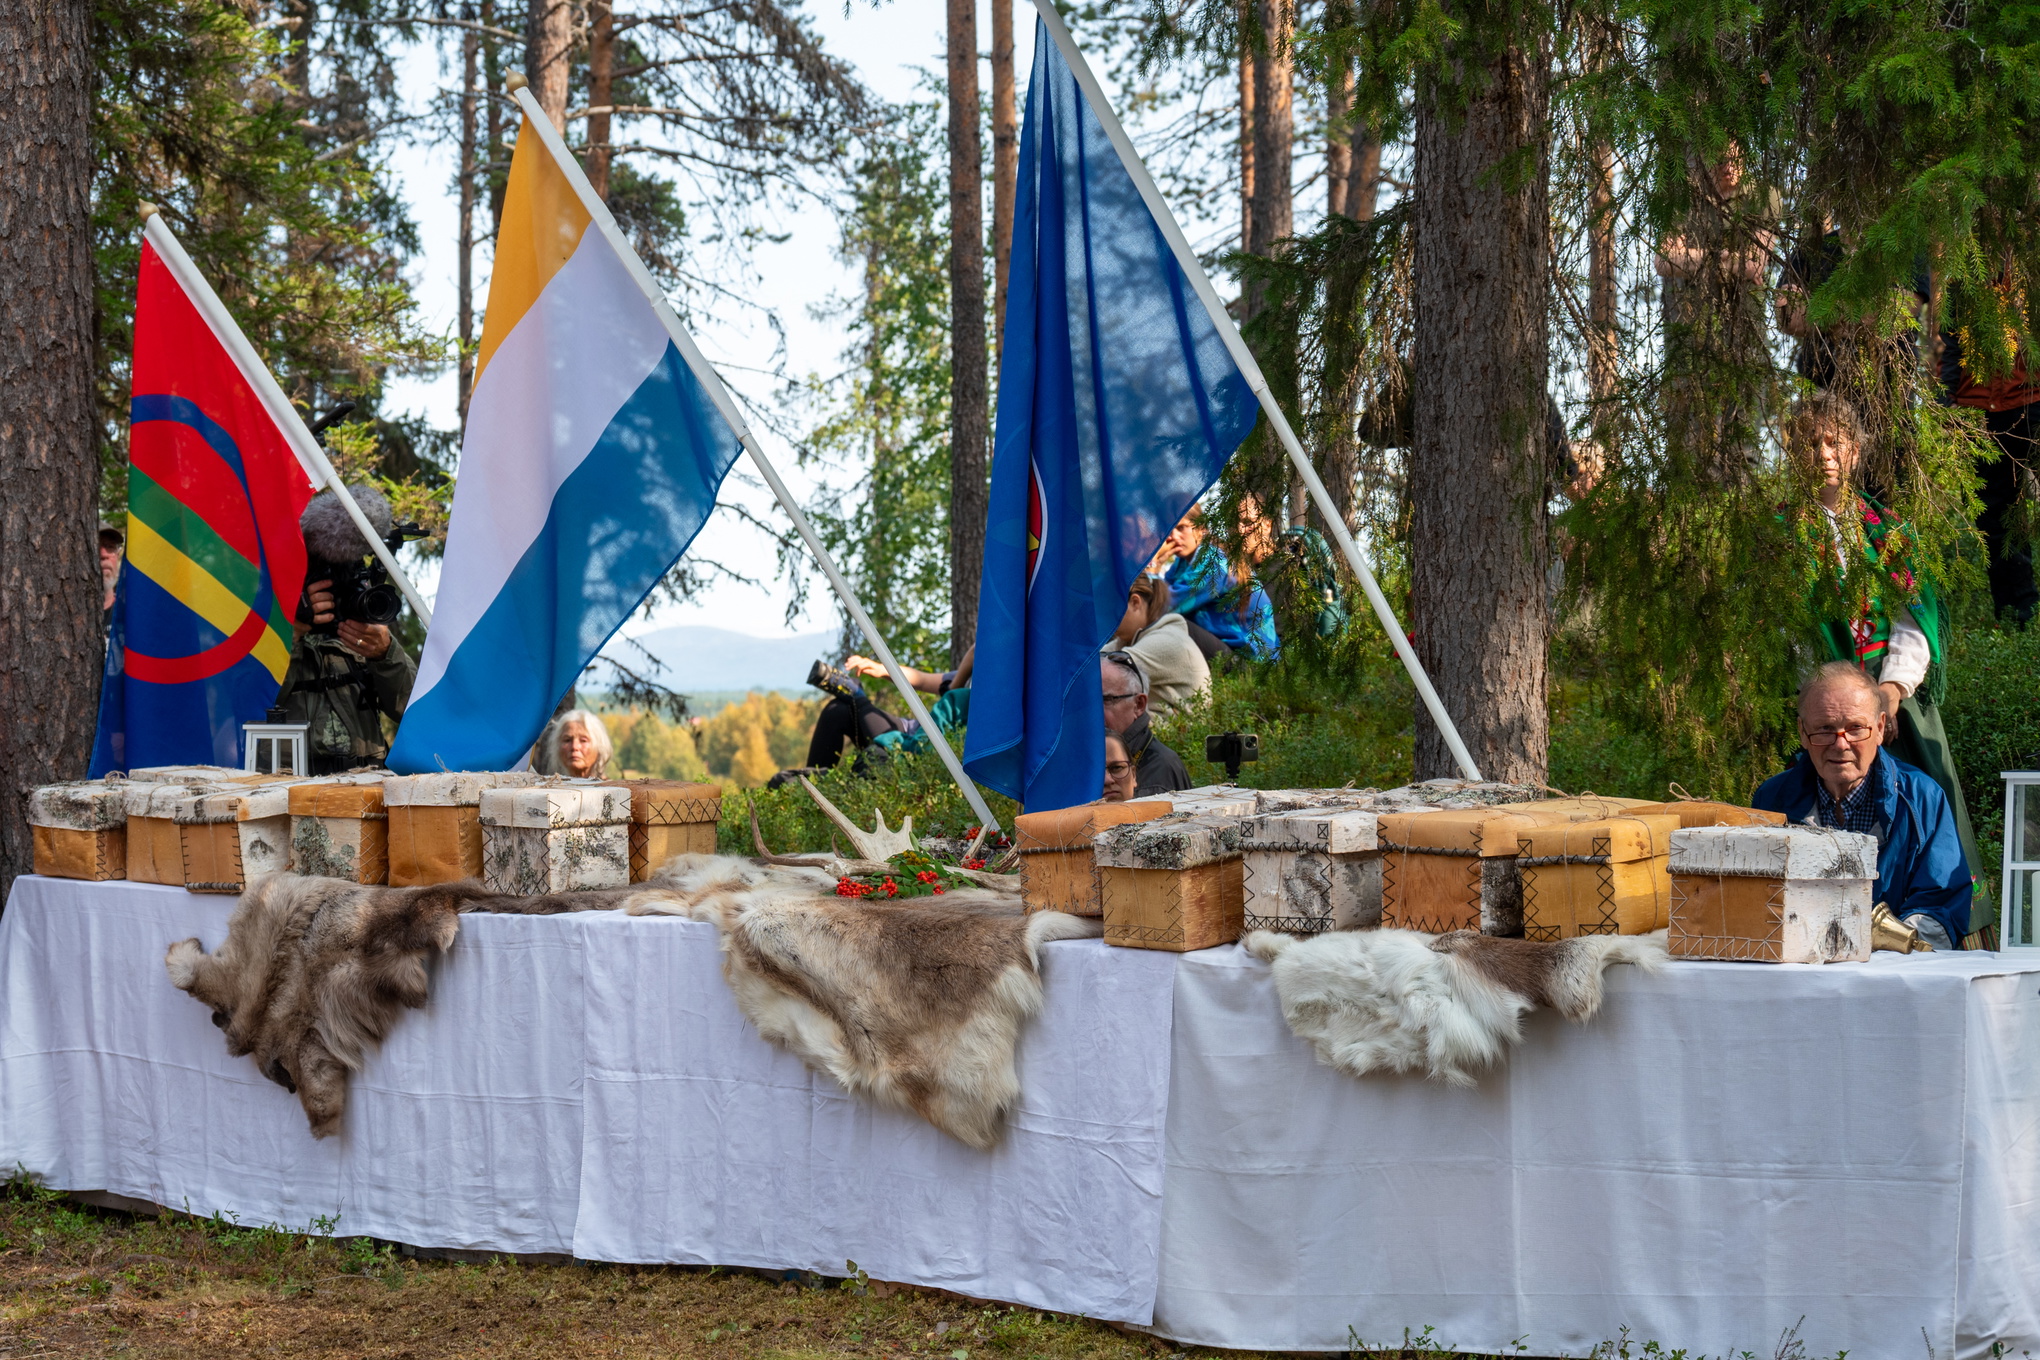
<point x="2021" y="929"/>
<point x="275" y="746"/>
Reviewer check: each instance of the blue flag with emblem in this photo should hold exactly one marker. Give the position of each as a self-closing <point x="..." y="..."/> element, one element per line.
<point x="1118" y="407"/>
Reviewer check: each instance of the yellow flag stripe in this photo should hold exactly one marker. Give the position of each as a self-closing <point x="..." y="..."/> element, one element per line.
<point x="543" y="222"/>
<point x="200" y="591"/>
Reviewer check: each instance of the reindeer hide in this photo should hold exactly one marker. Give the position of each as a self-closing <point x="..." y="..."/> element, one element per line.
<point x="916" y="1004"/>
<point x="1445" y="1005"/>
<point x="314" y="972"/>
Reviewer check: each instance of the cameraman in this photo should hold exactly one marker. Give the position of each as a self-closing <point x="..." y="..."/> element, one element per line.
<point x="340" y="684"/>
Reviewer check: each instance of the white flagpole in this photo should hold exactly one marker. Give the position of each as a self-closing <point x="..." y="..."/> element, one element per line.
<point x="310" y="456"/>
<point x="1244" y="357"/>
<point x="535" y="118"/>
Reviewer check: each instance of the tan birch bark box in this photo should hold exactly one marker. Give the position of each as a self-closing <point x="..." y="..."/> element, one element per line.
<point x="155" y="847"/>
<point x="1606" y="877"/>
<point x="555" y="837"/>
<point x="1309" y="870"/>
<point x="80" y="829"/>
<point x="340" y="828"/>
<point x="435" y="824"/>
<point x="669" y="817"/>
<point x="1175" y="883"/>
<point x="1698" y="812"/>
<point x="230" y="836"/>
<point x="1772" y="894"/>
<point x="1057" y="869"/>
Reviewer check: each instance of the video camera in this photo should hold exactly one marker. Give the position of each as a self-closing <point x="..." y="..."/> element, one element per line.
<point x="829" y="680"/>
<point x="1232" y="749"/>
<point x="335" y="551"/>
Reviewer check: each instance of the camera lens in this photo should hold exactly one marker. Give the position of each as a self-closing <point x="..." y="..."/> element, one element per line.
<point x="380" y="603"/>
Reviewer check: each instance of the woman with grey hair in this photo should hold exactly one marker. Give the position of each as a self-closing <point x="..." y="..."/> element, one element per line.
<point x="575" y="743"/>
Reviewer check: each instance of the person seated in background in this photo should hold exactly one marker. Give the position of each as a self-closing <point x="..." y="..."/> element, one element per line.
<point x="1214" y="597"/>
<point x="1842" y="779"/>
<point x="1159" y="640"/>
<point x="577" y="744"/>
<point x="1118" y="770"/>
<point x="1156" y="768"/>
<point x="850" y="715"/>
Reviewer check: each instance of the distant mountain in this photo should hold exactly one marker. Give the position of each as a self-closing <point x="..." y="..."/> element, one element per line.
<point x="714" y="659"/>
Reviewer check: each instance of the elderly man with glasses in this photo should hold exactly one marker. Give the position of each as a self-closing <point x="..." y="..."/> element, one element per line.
<point x="1156" y="768"/>
<point x="1844" y="781"/>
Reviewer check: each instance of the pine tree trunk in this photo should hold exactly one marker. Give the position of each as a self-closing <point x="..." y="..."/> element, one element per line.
<point x="548" y="43"/>
<point x="601" y="63"/>
<point x="1338" y="136"/>
<point x="492" y="83"/>
<point x="1478" y="542"/>
<point x="1273" y="214"/>
<point x="969" y="432"/>
<point x="1247" y="65"/>
<point x="1005" y="158"/>
<point x="50" y="589"/>
<point x="470" y="47"/>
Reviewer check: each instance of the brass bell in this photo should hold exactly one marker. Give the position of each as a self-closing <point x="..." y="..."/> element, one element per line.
<point x="1888" y="932"/>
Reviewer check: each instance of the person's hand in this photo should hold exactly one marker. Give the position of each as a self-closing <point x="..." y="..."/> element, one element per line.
<point x="366" y="640"/>
<point x="864" y="667"/>
<point x="319" y="599"/>
<point x="1893" y="696"/>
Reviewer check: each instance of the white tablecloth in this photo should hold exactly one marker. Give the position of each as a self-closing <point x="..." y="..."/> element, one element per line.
<point x="1725" y="1150"/>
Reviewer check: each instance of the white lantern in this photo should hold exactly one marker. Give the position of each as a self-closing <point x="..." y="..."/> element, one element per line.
<point x="274" y="747"/>
<point x="2021" y="916"/>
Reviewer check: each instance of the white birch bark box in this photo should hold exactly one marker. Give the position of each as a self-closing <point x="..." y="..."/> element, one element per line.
<point x="1311" y="870"/>
<point x="555" y="838"/>
<point x="233" y="835"/>
<point x="1210" y="800"/>
<point x="1772" y="894"/>
<point x="80" y="829"/>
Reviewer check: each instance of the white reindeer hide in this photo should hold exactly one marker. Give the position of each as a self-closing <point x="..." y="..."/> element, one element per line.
<point x="1447" y="1005"/>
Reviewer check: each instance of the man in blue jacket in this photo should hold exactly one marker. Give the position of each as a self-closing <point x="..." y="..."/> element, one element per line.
<point x="1844" y="781"/>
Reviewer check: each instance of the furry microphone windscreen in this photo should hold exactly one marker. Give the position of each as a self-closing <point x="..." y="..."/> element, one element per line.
<point x="330" y="532"/>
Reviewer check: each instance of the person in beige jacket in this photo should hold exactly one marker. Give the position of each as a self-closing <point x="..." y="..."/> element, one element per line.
<point x="1176" y="671"/>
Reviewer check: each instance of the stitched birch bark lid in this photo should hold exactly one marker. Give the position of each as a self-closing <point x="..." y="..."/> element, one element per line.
<point x="450" y="789"/>
<point x="82" y="805"/>
<point x="1457" y="793"/>
<point x="182" y="774"/>
<point x="244" y="804"/>
<point x="1791" y="851"/>
<point x="549" y="806"/>
<point x="1073" y="828"/>
<point x="1490" y="832"/>
<point x="1619" y="840"/>
<point x="340" y="795"/>
<point x="1215" y="800"/>
<point x="1698" y="812"/>
<point x="1180" y="841"/>
<point x="671" y="802"/>
<point x="163" y="800"/>
<point x="1310" y="800"/>
<point x="1334" y="830"/>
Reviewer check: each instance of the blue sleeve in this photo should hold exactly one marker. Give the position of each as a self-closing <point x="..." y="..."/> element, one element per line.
<point x="1938" y="883"/>
<point x="1200" y="582"/>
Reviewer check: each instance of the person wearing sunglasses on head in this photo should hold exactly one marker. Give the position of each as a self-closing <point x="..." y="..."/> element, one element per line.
<point x="1843" y="780"/>
<point x="1156" y="768"/>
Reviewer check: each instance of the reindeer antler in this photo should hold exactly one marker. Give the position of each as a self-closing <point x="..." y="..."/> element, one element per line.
<point x="879" y="845"/>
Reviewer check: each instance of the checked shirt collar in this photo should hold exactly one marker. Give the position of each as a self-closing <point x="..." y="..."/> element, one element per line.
<point x="1857" y="811"/>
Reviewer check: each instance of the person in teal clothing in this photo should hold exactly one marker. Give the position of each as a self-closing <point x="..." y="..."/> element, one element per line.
<point x="1211" y="594"/>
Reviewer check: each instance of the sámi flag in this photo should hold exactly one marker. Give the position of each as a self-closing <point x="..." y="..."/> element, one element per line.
<point x="592" y="458"/>
<point x="201" y="634"/>
<point x="1118" y="407"/>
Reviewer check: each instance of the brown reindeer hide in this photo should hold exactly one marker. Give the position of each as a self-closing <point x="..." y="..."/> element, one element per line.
<point x="314" y="972"/>
<point x="1444" y="1005"/>
<point x="916" y="1004"/>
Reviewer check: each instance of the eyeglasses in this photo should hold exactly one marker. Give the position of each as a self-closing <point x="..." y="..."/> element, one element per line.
<point x="1115" y="698"/>
<point x="1857" y="733"/>
<point x="1118" y="769"/>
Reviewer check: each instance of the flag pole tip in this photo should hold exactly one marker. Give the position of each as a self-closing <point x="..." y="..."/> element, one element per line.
<point x="149" y="210"/>
<point x="514" y="82"/>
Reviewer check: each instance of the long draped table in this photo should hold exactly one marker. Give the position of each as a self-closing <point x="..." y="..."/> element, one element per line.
<point x="1726" y="1150"/>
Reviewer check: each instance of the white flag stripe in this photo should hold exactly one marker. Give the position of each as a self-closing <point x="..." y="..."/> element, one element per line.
<point x="548" y="394"/>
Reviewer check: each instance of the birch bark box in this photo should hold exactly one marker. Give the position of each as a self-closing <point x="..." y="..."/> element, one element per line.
<point x="340" y="828"/>
<point x="669" y="817"/>
<point x="1772" y="894"/>
<point x="1698" y="812"/>
<point x="1215" y="800"/>
<point x="1175" y="883"/>
<point x="435" y="824"/>
<point x="155" y="847"/>
<point x="229" y="836"/>
<point x="1604" y="877"/>
<point x="80" y="829"/>
<point x="1311" y="870"/>
<point x="1455" y="868"/>
<point x="1058" y="871"/>
<point x="555" y="838"/>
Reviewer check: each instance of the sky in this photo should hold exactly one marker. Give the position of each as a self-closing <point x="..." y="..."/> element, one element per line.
<point x="889" y="45"/>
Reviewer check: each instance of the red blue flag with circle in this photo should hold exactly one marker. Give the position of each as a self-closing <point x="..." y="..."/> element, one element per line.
<point x="201" y="634"/>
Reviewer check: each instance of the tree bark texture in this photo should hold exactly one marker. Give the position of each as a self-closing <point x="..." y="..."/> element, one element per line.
<point x="1005" y="159"/>
<point x="50" y="591"/>
<point x="1601" y="340"/>
<point x="548" y="43"/>
<point x="1338" y="140"/>
<point x="1478" y="540"/>
<point x="601" y="66"/>
<point x="470" y="98"/>
<point x="969" y="428"/>
<point x="1273" y="214"/>
<point x="492" y="122"/>
<point x="1247" y="65"/>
